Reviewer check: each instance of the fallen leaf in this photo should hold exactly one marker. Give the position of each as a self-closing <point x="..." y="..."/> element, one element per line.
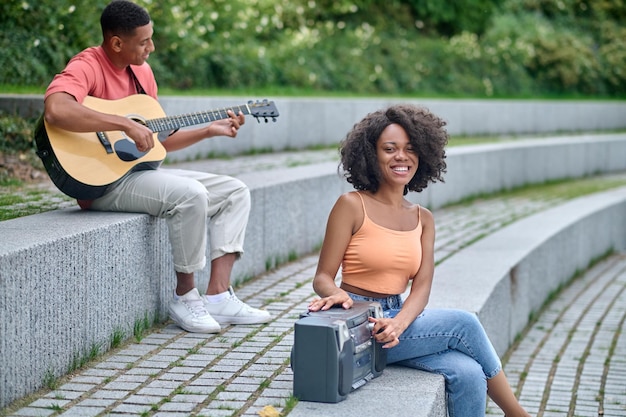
<point x="269" y="411"/>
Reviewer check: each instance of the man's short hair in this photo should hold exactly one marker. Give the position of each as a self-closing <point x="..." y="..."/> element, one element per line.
<point x="122" y="17"/>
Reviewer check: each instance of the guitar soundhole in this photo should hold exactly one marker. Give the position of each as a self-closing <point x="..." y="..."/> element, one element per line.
<point x="127" y="150"/>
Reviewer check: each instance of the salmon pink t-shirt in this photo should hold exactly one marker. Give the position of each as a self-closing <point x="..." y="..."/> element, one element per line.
<point x="91" y="73"/>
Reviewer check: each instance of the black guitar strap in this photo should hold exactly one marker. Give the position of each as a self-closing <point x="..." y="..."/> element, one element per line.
<point x="140" y="90"/>
<point x="138" y="86"/>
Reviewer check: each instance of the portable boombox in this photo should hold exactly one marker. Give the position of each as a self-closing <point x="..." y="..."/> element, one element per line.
<point x="334" y="352"/>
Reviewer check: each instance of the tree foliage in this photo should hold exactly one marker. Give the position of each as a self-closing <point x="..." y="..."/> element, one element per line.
<point x="451" y="47"/>
<point x="452" y="17"/>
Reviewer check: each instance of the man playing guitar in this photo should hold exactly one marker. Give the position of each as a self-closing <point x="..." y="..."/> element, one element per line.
<point x="191" y="202"/>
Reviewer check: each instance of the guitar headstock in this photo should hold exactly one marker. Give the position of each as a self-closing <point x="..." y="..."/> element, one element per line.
<point x="263" y="109"/>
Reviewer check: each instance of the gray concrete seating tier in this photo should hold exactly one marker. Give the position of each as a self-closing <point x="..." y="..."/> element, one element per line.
<point x="322" y="121"/>
<point x="507" y="276"/>
<point x="306" y="122"/>
<point x="398" y="391"/>
<point x="71" y="279"/>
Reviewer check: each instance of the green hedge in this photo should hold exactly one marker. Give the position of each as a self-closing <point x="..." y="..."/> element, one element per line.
<point x="16" y="134"/>
<point x="480" y="48"/>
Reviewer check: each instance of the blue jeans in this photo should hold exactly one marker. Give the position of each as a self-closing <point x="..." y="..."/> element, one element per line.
<point x="449" y="342"/>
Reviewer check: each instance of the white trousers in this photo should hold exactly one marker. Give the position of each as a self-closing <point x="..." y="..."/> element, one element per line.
<point x="192" y="202"/>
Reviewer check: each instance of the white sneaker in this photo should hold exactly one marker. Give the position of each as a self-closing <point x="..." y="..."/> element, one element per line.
<point x="232" y="310"/>
<point x="189" y="313"/>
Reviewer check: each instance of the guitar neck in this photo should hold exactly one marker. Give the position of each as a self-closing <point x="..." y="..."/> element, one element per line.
<point x="164" y="124"/>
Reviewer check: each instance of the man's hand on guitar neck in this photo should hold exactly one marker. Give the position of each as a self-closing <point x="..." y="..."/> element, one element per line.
<point x="227" y="127"/>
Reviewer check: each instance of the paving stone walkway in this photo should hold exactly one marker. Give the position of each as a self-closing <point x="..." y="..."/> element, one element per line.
<point x="571" y="362"/>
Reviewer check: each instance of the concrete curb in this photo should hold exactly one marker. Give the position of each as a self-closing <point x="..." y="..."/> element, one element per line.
<point x="69" y="279"/>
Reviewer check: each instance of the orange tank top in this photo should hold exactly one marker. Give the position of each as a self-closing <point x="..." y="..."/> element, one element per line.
<point x="382" y="260"/>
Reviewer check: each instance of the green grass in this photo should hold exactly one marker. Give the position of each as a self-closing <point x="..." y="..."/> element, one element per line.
<point x="142" y="327"/>
<point x="50" y="380"/>
<point x="566" y="189"/>
<point x="289" y="91"/>
<point x="117" y="338"/>
<point x="21" y="89"/>
<point x="55" y="407"/>
<point x="17" y="200"/>
<point x="290" y="404"/>
<point x="10" y="199"/>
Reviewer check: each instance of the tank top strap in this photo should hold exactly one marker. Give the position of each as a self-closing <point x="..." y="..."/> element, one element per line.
<point x="362" y="205"/>
<point x="419" y="209"/>
<point x="419" y="214"/>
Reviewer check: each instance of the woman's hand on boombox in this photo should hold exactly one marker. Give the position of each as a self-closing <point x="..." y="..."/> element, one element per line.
<point x="340" y="298"/>
<point x="385" y="331"/>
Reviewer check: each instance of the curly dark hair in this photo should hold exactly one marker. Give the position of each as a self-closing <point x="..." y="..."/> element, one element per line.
<point x="427" y="136"/>
<point x="122" y="17"/>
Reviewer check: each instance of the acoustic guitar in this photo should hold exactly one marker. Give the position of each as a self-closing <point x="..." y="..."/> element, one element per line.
<point x="82" y="165"/>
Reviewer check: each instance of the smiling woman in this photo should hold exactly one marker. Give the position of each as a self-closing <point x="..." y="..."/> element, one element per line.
<point x="397" y="160"/>
<point x="426" y="141"/>
<point x="383" y="244"/>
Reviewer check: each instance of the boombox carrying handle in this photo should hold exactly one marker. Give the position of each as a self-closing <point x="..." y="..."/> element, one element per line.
<point x="346" y="373"/>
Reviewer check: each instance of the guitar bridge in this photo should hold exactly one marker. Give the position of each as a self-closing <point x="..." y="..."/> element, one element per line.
<point x="105" y="142"/>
